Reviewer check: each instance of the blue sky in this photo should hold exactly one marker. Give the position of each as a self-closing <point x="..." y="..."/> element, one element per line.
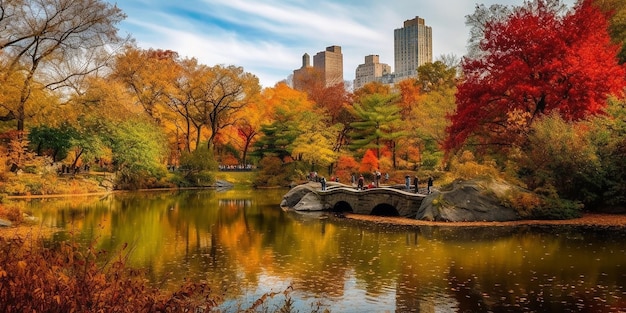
<point x="269" y="37"/>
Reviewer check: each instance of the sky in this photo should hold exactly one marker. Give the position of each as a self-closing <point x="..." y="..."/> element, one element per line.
<point x="268" y="37"/>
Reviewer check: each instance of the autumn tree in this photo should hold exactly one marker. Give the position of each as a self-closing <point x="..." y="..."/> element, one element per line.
<point x="53" y="44"/>
<point x="283" y="108"/>
<point x="534" y="61"/>
<point x="428" y="119"/>
<point x="224" y="91"/>
<point x="149" y="76"/>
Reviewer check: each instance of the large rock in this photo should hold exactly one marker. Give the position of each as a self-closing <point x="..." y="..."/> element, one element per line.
<point x="291" y="198"/>
<point x="469" y="201"/>
<point x="310" y="202"/>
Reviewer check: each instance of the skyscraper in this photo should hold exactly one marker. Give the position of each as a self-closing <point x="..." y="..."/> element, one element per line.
<point x="371" y="70"/>
<point x="327" y="69"/>
<point x="330" y="63"/>
<point x="413" y="47"/>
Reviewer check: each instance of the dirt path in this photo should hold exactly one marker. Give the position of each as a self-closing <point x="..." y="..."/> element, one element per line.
<point x="586" y="220"/>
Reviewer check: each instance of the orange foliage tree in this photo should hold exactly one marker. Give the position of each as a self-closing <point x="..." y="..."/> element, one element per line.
<point x="369" y="162"/>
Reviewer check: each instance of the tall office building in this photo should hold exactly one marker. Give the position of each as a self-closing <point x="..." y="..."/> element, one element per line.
<point x="330" y="63"/>
<point x="300" y="75"/>
<point x="371" y="70"/>
<point x="413" y="47"/>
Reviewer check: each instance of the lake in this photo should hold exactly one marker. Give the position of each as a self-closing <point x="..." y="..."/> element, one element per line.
<point x="244" y="245"/>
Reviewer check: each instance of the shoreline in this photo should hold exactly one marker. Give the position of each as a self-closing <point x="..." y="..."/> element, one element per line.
<point x="588" y="219"/>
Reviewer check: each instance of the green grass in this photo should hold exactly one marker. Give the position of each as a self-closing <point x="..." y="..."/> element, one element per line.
<point x="239" y="179"/>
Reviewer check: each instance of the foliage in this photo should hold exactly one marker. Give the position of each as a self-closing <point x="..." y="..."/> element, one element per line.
<point x="346" y="166"/>
<point x="616" y="9"/>
<point x="560" y="155"/>
<point x="50" y="184"/>
<point x="369" y="162"/>
<point x="274" y="172"/>
<point x="314" y="144"/>
<point x="11" y="213"/>
<point x="607" y="134"/>
<point x="16" y="149"/>
<point x="466" y="167"/>
<point x="276" y="139"/>
<point x="72" y="279"/>
<point x="556" y="69"/>
<point x="138" y="150"/>
<point x="197" y="165"/>
<point x="55" y="141"/>
<point x="54" y="44"/>
<point x="377" y="122"/>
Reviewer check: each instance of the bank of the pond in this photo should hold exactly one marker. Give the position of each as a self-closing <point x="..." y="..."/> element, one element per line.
<point x="600" y="220"/>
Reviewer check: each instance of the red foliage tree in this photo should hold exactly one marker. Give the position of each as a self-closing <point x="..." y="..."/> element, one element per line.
<point x="535" y="61"/>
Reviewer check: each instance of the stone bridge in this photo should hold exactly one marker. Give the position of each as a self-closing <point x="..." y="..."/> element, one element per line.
<point x="376" y="201"/>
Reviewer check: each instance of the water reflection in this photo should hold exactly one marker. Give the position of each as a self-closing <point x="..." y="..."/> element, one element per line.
<point x="243" y="245"/>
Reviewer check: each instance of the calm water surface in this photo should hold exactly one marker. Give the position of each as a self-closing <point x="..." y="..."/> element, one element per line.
<point x="244" y="245"/>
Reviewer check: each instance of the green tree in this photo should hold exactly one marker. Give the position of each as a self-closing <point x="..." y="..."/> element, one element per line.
<point x="608" y="136"/>
<point x="138" y="150"/>
<point x="377" y="124"/>
<point x="560" y="156"/>
<point x="276" y="140"/>
<point x="52" y="141"/>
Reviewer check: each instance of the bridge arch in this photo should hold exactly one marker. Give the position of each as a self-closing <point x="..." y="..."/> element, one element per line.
<point x="384" y="209"/>
<point x="342" y="206"/>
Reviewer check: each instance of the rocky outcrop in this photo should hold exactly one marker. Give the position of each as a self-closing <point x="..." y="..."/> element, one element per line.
<point x="310" y="202"/>
<point x="296" y="194"/>
<point x="469" y="201"/>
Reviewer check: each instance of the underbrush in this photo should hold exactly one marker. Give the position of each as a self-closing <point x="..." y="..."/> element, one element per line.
<point x="65" y="277"/>
<point x="34" y="184"/>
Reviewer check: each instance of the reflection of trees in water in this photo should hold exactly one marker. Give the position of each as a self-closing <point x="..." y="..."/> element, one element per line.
<point x="239" y="243"/>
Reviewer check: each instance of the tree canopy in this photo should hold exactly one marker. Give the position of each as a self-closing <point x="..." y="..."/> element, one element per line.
<point x="534" y="61"/>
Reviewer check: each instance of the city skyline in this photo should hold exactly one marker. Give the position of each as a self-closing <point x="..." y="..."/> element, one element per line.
<point x="268" y="37"/>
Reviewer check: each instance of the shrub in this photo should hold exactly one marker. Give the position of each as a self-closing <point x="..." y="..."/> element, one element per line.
<point x="69" y="278"/>
<point x="11" y="213"/>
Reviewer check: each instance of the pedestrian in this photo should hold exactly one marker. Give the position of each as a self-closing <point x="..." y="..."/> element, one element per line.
<point x="430" y="184"/>
<point x="323" y="181"/>
<point x="416" y="182"/>
<point x="360" y="182"/>
<point x="377" y="174"/>
<point x="407" y="182"/>
<point x="386" y="177"/>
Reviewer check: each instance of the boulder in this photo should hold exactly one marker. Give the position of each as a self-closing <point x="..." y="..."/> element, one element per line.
<point x="469" y="201"/>
<point x="291" y="198"/>
<point x="310" y="202"/>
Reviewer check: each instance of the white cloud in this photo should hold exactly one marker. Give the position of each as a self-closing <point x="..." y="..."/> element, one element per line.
<point x="269" y="37"/>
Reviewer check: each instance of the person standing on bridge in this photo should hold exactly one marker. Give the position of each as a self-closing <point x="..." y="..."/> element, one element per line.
<point x="416" y="182"/>
<point x="430" y="184"/>
<point x="323" y="182"/>
<point x="407" y="182"/>
<point x="360" y="183"/>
